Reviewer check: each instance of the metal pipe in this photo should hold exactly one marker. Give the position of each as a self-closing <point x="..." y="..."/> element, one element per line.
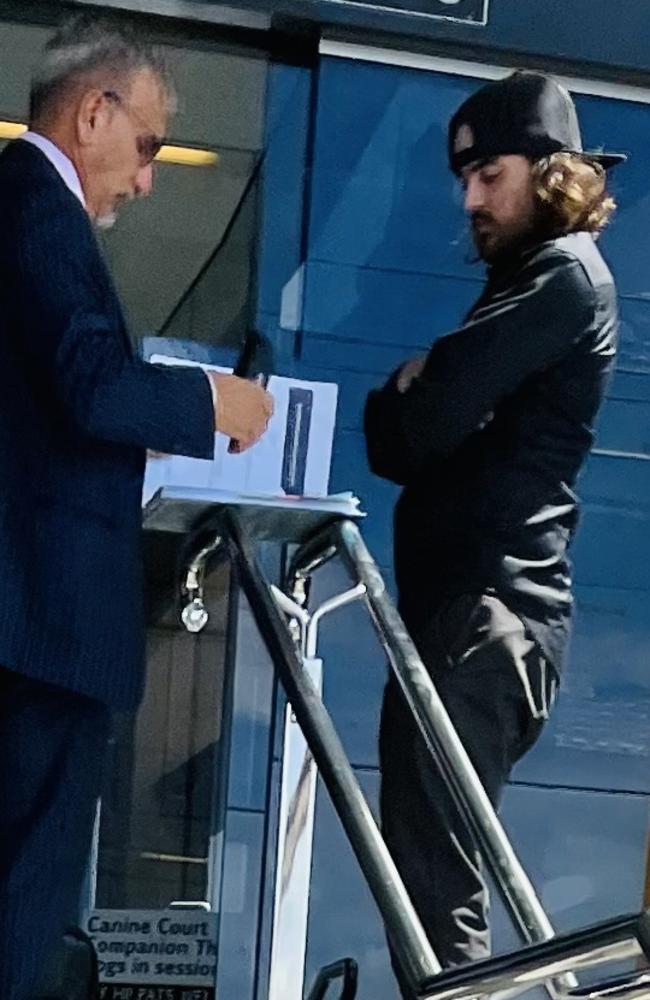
<point x="331" y="604"/>
<point x="634" y="986"/>
<point x="444" y="743"/>
<point x="194" y="614"/>
<point x="411" y="945"/>
<point x="196" y="567"/>
<point x="313" y="554"/>
<point x="514" y="973"/>
<point x="346" y="970"/>
<point x="299" y="620"/>
<point x="293" y="855"/>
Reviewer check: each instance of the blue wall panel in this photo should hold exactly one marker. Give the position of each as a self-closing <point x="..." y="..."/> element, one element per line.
<point x="584" y="851"/>
<point x="283" y="180"/>
<point x="612" y="549"/>
<point x="341" y="356"/>
<point x="598" y="736"/>
<point x="634" y="354"/>
<point x="618" y="481"/>
<point x="239" y="909"/>
<point x="399" y="308"/>
<point x="626" y="242"/>
<point x="625" y="426"/>
<point x="370" y="207"/>
<point x="253" y="689"/>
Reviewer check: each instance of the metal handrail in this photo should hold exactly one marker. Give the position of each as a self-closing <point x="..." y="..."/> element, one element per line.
<point x="548" y="959"/>
<point x="344" y="970"/>
<point x="611" y="941"/>
<point x="411" y="944"/>
<point x="437" y="729"/>
<point x="344" y="539"/>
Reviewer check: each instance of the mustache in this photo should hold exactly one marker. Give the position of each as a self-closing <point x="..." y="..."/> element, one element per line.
<point x="480" y="216"/>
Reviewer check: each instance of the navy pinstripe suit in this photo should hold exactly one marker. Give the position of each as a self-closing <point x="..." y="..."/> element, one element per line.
<point x="78" y="410"/>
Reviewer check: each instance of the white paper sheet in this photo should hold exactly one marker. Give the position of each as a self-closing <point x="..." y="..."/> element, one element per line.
<point x="276" y="460"/>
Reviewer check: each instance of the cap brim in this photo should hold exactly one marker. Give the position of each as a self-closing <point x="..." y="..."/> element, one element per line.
<point x="606" y="160"/>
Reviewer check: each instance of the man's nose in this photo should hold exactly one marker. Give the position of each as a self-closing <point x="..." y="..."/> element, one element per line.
<point x="144" y="181"/>
<point x="474" y="199"/>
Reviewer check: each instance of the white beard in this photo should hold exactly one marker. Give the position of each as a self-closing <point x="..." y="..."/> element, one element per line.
<point x="106" y="221"/>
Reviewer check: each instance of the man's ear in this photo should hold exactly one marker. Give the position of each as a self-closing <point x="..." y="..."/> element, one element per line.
<point x="93" y="110"/>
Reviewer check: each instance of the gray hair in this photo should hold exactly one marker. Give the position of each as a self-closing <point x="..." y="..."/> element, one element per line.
<point x="93" y="50"/>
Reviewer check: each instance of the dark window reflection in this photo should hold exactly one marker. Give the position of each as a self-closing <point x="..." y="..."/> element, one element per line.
<point x="158" y="806"/>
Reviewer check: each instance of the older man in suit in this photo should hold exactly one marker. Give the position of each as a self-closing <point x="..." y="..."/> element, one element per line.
<point x="79" y="410"/>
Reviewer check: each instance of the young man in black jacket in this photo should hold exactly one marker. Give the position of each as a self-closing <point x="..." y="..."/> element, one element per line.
<point x="487" y="434"/>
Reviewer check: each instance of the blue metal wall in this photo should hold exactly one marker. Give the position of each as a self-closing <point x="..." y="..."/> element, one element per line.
<point x="599" y="33"/>
<point x="364" y="262"/>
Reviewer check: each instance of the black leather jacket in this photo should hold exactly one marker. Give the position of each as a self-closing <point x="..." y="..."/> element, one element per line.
<point x="489" y="441"/>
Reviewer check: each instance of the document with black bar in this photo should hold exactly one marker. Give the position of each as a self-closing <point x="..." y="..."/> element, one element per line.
<point x="293" y="458"/>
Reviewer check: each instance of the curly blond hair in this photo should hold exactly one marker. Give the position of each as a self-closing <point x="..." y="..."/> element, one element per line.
<point x="571" y="192"/>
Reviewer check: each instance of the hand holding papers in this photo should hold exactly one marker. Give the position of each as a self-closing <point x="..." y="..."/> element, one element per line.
<point x="291" y="462"/>
<point x="243" y="408"/>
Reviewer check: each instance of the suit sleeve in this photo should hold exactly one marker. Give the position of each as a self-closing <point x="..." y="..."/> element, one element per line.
<point x="521" y="331"/>
<point x="79" y="350"/>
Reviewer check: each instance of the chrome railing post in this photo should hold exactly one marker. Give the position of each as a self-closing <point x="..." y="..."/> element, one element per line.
<point x="411" y="945"/>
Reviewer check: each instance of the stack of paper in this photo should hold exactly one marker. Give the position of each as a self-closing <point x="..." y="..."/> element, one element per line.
<point x="291" y="463"/>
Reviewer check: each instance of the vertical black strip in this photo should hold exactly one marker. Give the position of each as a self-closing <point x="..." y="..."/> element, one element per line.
<point x="307" y="188"/>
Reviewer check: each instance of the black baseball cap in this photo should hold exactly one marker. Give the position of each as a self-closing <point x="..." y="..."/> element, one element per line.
<point x="528" y="114"/>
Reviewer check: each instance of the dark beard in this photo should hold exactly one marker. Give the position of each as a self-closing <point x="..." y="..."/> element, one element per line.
<point x="513" y="245"/>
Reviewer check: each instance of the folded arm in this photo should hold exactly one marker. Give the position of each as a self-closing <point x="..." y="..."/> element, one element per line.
<point x="523" y="330"/>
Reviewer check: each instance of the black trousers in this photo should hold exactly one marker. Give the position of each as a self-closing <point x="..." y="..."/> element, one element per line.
<point x="497" y="688"/>
<point x="52" y="748"/>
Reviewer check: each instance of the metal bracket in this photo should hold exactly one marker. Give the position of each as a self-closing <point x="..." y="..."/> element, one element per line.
<point x="195" y="615"/>
<point x="306" y="623"/>
<point x="345" y="970"/>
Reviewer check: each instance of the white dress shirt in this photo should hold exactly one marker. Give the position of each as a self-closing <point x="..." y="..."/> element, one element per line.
<point x="61" y="163"/>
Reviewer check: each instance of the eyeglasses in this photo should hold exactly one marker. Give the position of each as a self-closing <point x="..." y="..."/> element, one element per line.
<point x="147" y="144"/>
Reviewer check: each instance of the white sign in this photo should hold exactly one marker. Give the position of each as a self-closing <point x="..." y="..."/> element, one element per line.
<point x="157" y="947"/>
